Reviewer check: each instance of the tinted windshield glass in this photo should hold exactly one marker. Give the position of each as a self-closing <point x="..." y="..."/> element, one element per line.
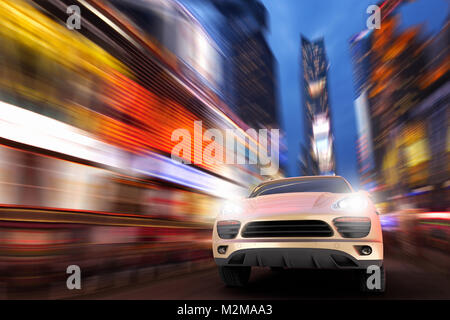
<point x="317" y="185"/>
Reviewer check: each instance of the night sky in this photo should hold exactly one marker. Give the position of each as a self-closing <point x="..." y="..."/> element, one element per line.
<point x="336" y="21"/>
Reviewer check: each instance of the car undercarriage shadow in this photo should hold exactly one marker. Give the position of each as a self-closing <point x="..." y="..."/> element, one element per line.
<point x="302" y="284"/>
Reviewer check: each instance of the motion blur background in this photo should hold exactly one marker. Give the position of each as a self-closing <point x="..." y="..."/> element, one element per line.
<point x="86" y="119"/>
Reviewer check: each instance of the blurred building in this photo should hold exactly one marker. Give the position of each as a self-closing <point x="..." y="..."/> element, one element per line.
<point x="401" y="104"/>
<point x="307" y="164"/>
<point x="113" y="101"/>
<point x="319" y="146"/>
<point x="360" y="47"/>
<point x="179" y="37"/>
<point x="86" y="119"/>
<point x="250" y="78"/>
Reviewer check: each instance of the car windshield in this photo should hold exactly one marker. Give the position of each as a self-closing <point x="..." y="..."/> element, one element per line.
<point x="333" y="185"/>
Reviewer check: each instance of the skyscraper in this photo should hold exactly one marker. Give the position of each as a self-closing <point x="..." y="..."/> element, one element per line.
<point x="238" y="27"/>
<point x="319" y="148"/>
<point x="400" y="101"/>
<point x="359" y="48"/>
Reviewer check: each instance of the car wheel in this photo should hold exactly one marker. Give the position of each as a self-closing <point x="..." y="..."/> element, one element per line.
<point x="364" y="277"/>
<point x="235" y="276"/>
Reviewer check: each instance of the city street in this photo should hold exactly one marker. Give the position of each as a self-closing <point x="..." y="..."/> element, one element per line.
<point x="141" y="139"/>
<point x="406" y="279"/>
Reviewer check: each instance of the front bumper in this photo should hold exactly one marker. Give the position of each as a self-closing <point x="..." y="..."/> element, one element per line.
<point x="304" y="258"/>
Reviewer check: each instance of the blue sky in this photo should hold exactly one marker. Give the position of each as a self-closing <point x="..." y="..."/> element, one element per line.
<point x="336" y="21"/>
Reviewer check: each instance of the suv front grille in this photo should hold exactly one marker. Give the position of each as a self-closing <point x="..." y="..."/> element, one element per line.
<point x="287" y="228"/>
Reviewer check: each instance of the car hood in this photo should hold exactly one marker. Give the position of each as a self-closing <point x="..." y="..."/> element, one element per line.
<point x="291" y="203"/>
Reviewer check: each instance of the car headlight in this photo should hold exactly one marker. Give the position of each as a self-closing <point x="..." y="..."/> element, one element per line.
<point x="353" y="203"/>
<point x="231" y="209"/>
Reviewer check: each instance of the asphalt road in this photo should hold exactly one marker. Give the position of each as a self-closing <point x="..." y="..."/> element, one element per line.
<point x="407" y="278"/>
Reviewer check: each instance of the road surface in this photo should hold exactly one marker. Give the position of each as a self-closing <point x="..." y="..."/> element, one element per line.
<point x="407" y="278"/>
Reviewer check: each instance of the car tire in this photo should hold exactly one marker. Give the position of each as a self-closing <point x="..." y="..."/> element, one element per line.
<point x="235" y="276"/>
<point x="364" y="276"/>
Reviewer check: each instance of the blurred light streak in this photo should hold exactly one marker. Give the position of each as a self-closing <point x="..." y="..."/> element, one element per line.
<point x="27" y="127"/>
<point x="109" y="22"/>
<point x="435" y="215"/>
<point x="23" y="126"/>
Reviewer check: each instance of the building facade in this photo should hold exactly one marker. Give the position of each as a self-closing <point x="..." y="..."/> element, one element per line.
<point x="401" y="102"/>
<point x="249" y="67"/>
<point x="319" y="146"/>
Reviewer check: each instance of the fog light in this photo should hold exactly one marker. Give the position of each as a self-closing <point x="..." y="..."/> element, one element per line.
<point x="222" y="249"/>
<point x="366" y="250"/>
